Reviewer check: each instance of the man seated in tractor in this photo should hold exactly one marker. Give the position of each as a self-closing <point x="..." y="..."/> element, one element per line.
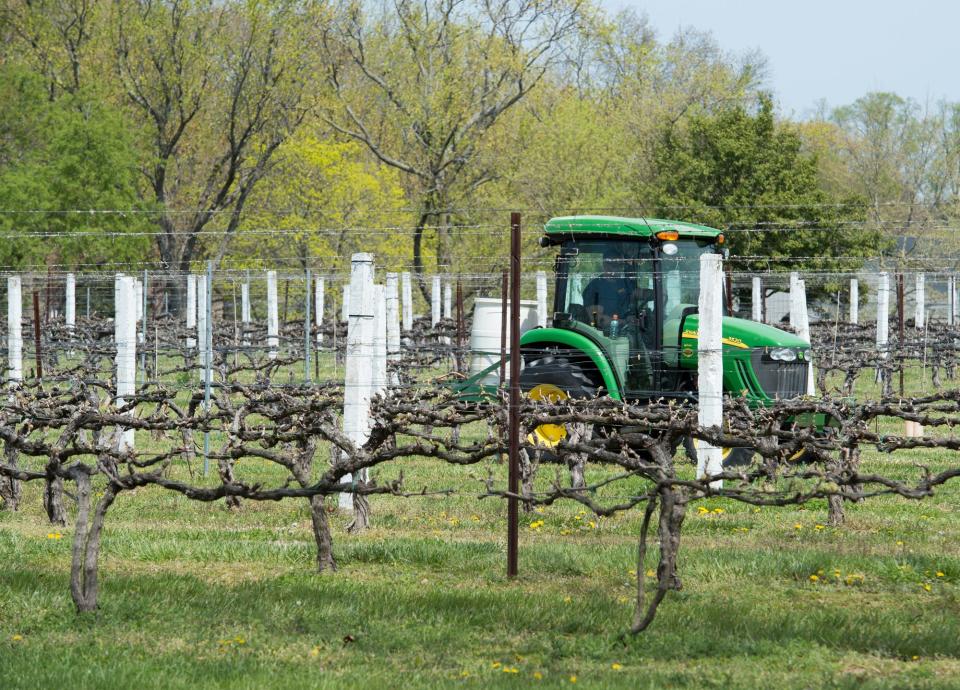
<point x="613" y="292"/>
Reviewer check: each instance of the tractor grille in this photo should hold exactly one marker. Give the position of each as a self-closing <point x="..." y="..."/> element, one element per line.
<point x="780" y="379"/>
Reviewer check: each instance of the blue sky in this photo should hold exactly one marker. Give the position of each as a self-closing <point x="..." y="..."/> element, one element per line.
<point x="837" y="50"/>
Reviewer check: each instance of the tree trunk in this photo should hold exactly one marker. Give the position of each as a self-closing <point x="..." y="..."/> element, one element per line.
<point x="84" y="586"/>
<point x="361" y="514"/>
<point x="10" y="487"/>
<point x="303" y="471"/>
<point x="53" y="501"/>
<point x="321" y="535"/>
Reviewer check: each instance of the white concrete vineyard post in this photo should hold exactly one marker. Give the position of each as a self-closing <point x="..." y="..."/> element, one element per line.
<point x="14" y="330"/>
<point x="359" y="359"/>
<point x="920" y="300"/>
<point x="542" y="299"/>
<point x="318" y="297"/>
<point x="345" y="304"/>
<point x="202" y="324"/>
<point x="447" y="300"/>
<point x="883" y="315"/>
<point x="407" y="301"/>
<point x="393" y="326"/>
<point x="951" y="300"/>
<point x="70" y="303"/>
<point x="794" y="303"/>
<point x="379" y="339"/>
<point x="245" y="309"/>
<point x="435" y="302"/>
<point x="854" y="301"/>
<point x="273" y="316"/>
<point x="756" y="300"/>
<point x="125" y="338"/>
<point x="803" y="330"/>
<point x="710" y="363"/>
<point x="191" y="309"/>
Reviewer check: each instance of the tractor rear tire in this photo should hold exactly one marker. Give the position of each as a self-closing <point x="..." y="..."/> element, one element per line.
<point x="560" y="371"/>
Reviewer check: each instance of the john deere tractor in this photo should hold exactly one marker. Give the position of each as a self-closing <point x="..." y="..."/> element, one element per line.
<point x="625" y="322"/>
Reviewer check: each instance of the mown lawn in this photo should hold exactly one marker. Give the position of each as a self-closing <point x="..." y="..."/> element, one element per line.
<point x="194" y="595"/>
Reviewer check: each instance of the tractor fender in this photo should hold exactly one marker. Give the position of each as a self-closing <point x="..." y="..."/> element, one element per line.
<point x="542" y="338"/>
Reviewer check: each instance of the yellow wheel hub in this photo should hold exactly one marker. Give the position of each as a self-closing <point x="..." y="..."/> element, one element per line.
<point x="548" y="435"/>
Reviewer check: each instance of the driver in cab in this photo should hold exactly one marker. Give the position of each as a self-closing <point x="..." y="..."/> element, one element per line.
<point x="613" y="292"/>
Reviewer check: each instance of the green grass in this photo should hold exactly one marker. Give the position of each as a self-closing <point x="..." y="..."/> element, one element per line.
<point x="194" y="595"/>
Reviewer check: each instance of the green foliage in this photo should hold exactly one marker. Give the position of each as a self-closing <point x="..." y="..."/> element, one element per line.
<point x="742" y="171"/>
<point x="60" y="158"/>
<point x="323" y="201"/>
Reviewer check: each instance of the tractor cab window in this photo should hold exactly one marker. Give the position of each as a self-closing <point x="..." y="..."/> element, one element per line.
<point x="680" y="270"/>
<point x="608" y="286"/>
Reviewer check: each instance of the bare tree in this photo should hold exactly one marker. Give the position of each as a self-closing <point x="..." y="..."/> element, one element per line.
<point x="220" y="88"/>
<point x="422" y="84"/>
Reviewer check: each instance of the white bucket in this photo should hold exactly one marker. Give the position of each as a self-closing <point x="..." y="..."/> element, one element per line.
<point x="485" y="336"/>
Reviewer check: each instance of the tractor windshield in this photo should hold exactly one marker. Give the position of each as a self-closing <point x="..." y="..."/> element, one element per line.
<point x="632" y="294"/>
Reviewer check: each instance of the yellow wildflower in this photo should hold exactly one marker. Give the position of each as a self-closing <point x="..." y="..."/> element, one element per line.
<point x="814" y="578"/>
<point x="651" y="573"/>
<point x="718" y="511"/>
<point x="818" y="527"/>
<point x="797" y="526"/>
<point x="573" y="679"/>
<point x="615" y="666"/>
<point x="567" y="600"/>
<point x="537" y="675"/>
<point x="16" y="638"/>
<point x="939" y="573"/>
<point x="926" y="587"/>
<point x="497" y="664"/>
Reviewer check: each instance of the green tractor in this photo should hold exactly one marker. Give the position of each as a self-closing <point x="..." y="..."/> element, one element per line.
<point x="625" y="323"/>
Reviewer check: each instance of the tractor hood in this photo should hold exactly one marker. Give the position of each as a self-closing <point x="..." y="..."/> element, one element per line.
<point x="745" y="334"/>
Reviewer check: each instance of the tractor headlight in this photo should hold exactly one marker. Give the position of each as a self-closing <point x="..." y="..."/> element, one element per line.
<point x="783" y="354"/>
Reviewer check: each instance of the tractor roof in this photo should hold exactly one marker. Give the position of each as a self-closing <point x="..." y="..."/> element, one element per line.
<point x="632" y="227"/>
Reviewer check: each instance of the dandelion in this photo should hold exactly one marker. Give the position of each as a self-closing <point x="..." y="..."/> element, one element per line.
<point x="567" y="600"/>
<point x="899" y="543"/>
<point x="315" y="652"/>
<point x="592" y="525"/>
<point x="16" y="638"/>
<point x="651" y="573"/>
<point x="537" y="675"/>
<point x="632" y="573"/>
<point x="756" y="510"/>
<point x="915" y="658"/>
<point x="718" y="511"/>
<point x="702" y="511"/>
<point x="573" y="679"/>
<point x="510" y="669"/>
<point x="926" y="587"/>
<point x="939" y="573"/>
<point x="814" y="578"/>
<point x="798" y="526"/>
<point x="536" y="524"/>
<point x="475" y="518"/>
<point x="539" y="509"/>
<point x="464" y="674"/>
<point x="497" y="664"/>
<point x="818" y="527"/>
<point x="454" y="521"/>
<point x="615" y="666"/>
<point x="54" y="535"/>
<point x="564" y="532"/>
